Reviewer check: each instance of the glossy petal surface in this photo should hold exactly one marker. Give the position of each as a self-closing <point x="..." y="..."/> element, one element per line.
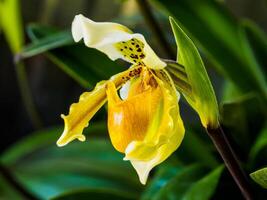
<point x="146" y="125"/>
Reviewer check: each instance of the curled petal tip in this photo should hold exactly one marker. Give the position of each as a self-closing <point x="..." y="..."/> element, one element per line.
<point x="142" y="171"/>
<point x="61" y="142"/>
<point x="143" y="182"/>
<point x="64" y="139"/>
<point x="80" y="27"/>
<point x="75" y="28"/>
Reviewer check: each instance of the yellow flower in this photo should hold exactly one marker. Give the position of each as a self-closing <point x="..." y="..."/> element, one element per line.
<point x="143" y="119"/>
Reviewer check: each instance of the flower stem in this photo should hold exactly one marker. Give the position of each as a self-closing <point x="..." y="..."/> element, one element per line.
<point x="146" y="11"/>
<point x="26" y="95"/>
<point x="225" y="150"/>
<point x="8" y="176"/>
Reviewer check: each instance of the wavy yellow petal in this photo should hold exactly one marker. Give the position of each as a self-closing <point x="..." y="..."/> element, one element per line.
<point x="89" y="103"/>
<point x="80" y="113"/>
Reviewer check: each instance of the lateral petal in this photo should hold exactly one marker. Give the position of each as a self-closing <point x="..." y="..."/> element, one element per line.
<point x="89" y="103"/>
<point x="80" y="113"/>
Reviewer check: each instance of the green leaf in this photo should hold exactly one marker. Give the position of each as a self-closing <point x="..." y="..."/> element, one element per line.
<point x="56" y="40"/>
<point x="190" y="183"/>
<point x="164" y="173"/>
<point x="243" y="111"/>
<point x="258" y="151"/>
<point x="252" y="63"/>
<point x="87" y="66"/>
<point x="7" y="192"/>
<point x="260" y="177"/>
<point x="1" y="16"/>
<point x="11" y="24"/>
<point x="41" y="139"/>
<point x="195" y="149"/>
<point x="257" y="41"/>
<point x="203" y="99"/>
<point x="96" y="194"/>
<point x="217" y="33"/>
<point x="48" y="171"/>
<point x="230" y="91"/>
<point x="207" y="184"/>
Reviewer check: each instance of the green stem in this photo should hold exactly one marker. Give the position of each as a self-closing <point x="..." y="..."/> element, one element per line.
<point x="8" y="176"/>
<point x="231" y="162"/>
<point x="146" y="11"/>
<point x="26" y="95"/>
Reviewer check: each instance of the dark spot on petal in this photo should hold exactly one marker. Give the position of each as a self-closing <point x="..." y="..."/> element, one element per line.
<point x="142" y="56"/>
<point x="139" y="50"/>
<point x="134" y="56"/>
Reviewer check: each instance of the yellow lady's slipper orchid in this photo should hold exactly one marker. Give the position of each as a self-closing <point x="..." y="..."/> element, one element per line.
<point x="143" y="119"/>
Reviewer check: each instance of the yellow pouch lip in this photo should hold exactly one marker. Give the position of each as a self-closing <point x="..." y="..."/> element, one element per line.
<point x="133" y="113"/>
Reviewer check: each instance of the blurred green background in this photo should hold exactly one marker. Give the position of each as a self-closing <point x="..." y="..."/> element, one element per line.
<point x="42" y="72"/>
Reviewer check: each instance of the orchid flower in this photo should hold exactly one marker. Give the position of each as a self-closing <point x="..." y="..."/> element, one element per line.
<point x="144" y="122"/>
